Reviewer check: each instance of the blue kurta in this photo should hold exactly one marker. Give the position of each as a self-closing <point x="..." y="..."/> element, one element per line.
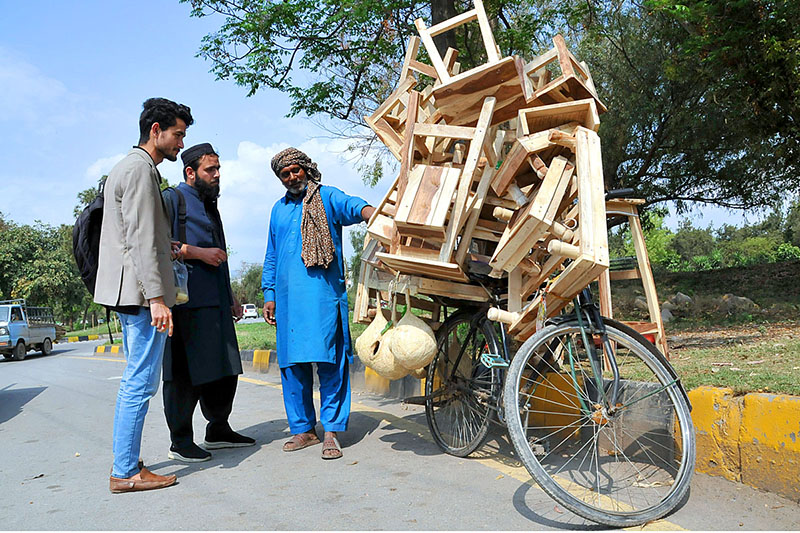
<point x="309" y="302"/>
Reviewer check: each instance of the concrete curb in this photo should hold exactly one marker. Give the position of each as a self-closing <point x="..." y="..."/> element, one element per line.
<point x="112" y="348"/>
<point x="80" y="338"/>
<point x="753" y="439"/>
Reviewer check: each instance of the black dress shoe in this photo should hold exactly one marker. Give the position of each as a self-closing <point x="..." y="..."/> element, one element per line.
<point x="227" y="440"/>
<point x="188" y="454"/>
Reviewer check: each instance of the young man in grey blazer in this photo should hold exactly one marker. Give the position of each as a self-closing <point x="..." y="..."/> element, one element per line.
<point x="134" y="277"/>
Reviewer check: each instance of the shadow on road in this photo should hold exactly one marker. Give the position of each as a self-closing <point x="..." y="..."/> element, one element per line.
<point x="264" y="433"/>
<point x="548" y="513"/>
<point x="12" y="400"/>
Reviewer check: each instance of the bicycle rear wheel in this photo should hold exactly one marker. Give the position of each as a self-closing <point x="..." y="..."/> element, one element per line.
<point x="461" y="392"/>
<point x="623" y="468"/>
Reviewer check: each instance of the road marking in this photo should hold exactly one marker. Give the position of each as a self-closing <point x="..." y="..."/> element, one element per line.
<point x="493" y="459"/>
<point x="114" y="377"/>
<point x="95" y="358"/>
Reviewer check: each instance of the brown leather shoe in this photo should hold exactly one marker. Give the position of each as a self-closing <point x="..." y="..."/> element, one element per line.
<point x="144" y="480"/>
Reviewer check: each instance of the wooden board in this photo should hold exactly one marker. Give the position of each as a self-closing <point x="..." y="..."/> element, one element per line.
<point x="536" y="119"/>
<point x="460" y="100"/>
<point x="423" y="267"/>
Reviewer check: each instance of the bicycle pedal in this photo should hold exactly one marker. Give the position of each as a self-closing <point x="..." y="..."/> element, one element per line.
<point x="491" y="360"/>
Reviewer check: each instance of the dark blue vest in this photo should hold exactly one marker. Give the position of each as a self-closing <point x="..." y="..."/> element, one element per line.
<point x="208" y="285"/>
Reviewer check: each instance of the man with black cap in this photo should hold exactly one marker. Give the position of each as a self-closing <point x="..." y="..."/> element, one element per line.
<point x="201" y="361"/>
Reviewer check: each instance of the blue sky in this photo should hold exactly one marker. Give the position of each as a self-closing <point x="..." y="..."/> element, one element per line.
<point x="73" y="76"/>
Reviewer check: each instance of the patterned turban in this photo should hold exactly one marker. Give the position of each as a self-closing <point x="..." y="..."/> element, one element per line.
<point x="293" y="156"/>
<point x="318" y="248"/>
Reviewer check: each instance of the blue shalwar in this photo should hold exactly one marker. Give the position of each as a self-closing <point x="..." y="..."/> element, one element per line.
<point x="311" y="312"/>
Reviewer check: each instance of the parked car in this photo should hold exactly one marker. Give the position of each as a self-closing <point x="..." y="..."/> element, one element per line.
<point x="24" y="328"/>
<point x="249" y="311"/>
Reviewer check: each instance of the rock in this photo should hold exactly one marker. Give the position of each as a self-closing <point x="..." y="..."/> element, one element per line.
<point x="640" y="303"/>
<point x="732" y="304"/>
<point x="666" y="316"/>
<point x="681" y="299"/>
<point x="668" y="306"/>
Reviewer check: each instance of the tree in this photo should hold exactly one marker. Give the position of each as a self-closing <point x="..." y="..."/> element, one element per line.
<point x="247" y="287"/>
<point x="702" y="94"/>
<point x="357" y="235"/>
<point x="792" y="230"/>
<point x="36" y="263"/>
<point x="689" y="241"/>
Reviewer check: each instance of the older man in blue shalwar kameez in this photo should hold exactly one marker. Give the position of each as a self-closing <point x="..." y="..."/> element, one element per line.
<point x="305" y="297"/>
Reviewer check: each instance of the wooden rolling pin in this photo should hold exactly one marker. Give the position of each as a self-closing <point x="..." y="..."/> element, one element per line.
<point x="563" y="249"/>
<point x="498" y="315"/>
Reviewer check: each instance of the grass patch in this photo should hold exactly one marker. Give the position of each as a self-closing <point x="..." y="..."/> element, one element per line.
<point x="261" y="336"/>
<point x="766" y="361"/>
<point x="258" y="336"/>
<point x="97" y="330"/>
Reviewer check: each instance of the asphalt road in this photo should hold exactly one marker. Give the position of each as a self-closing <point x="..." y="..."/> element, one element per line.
<point x="56" y="417"/>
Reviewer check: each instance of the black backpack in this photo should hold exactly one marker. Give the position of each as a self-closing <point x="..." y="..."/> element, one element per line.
<point x="86" y="239"/>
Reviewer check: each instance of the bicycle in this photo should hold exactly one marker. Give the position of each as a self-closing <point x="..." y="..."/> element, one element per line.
<point x="594" y="411"/>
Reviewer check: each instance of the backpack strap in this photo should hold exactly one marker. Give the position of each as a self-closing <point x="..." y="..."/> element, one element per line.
<point x="181" y="214"/>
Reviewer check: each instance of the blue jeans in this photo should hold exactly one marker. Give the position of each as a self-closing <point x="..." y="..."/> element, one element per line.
<point x="144" y="350"/>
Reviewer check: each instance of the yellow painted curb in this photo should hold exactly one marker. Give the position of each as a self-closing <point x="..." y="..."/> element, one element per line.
<point x="72" y="339"/>
<point x="261" y="360"/>
<point x="108" y="349"/>
<point x="93" y="337"/>
<point x="753" y="438"/>
<point x="374" y="382"/>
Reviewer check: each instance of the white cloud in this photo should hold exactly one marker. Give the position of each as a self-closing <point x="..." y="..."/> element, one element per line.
<point x="102" y="166"/>
<point x="249" y="189"/>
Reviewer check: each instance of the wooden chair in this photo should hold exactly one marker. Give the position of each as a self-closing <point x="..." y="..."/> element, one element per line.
<point x="573" y="83"/>
<point x="459" y="98"/>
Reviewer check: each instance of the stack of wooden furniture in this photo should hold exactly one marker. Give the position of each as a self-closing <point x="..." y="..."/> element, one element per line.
<point x="500" y="176"/>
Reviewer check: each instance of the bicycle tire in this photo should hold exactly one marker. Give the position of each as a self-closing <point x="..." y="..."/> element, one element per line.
<point x="460" y="399"/>
<point x="585" y="458"/>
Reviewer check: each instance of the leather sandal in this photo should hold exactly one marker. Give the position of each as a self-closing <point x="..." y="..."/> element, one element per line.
<point x="300" y="441"/>
<point x="331" y="449"/>
<point x="146" y="481"/>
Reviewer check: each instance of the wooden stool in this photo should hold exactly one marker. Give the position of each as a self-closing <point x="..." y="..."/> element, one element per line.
<point x="627" y="207"/>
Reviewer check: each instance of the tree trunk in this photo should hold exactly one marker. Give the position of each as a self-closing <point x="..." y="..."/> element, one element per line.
<point x="442" y="10"/>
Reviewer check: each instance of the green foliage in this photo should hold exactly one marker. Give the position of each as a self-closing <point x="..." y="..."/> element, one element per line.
<point x="357" y="235"/>
<point x="36" y="263"/>
<point x="787" y="252"/>
<point x="247" y="287"/>
<point x="792" y="225"/>
<point x="689" y="242"/>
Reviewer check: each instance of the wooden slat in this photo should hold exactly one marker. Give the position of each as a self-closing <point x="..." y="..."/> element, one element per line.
<point x="444" y="131"/>
<point x="407" y="153"/>
<point x="433" y="53"/>
<point x="486" y="33"/>
<point x="457" y="218"/>
<point x="454" y="22"/>
<point x="411" y="54"/>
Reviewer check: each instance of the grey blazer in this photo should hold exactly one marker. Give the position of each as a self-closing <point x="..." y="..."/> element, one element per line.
<point x="134" y="264"/>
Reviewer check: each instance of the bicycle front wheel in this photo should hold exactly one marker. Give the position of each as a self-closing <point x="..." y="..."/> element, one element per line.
<point x="622" y="466"/>
<point x="460" y="391"/>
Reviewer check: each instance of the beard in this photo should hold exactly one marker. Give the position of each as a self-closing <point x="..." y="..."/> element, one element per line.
<point x="206" y="190"/>
<point x="299" y="188"/>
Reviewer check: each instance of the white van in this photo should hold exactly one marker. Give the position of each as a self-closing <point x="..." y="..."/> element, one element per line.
<point x="249" y="311"/>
